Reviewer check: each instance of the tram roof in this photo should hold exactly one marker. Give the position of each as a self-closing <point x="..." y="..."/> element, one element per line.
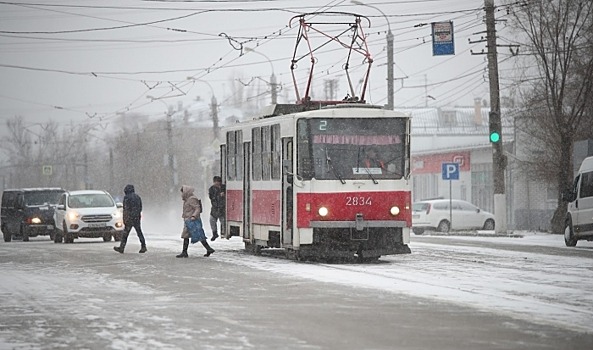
<point x="284" y="109"/>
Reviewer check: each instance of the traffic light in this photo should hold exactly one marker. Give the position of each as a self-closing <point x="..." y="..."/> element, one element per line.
<point x="495" y="127"/>
<point x="494" y="136"/>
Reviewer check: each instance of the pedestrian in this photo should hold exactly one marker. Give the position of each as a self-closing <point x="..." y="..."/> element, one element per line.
<point x="192" y="207"/>
<point x="132" y="216"/>
<point x="216" y="192"/>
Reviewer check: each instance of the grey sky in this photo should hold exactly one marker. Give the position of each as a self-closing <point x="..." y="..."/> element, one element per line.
<point x="84" y="61"/>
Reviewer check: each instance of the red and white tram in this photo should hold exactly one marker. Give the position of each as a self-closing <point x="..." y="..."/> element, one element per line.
<point x="304" y="180"/>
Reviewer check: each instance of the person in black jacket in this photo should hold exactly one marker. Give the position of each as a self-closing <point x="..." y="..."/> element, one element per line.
<point x="132" y="215"/>
<point x="216" y="192"/>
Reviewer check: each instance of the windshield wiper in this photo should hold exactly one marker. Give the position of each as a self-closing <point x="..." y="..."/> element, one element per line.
<point x="365" y="168"/>
<point x="331" y="166"/>
<point x="371" y="175"/>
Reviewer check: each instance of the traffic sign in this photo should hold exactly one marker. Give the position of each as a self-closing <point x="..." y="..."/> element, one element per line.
<point x="450" y="171"/>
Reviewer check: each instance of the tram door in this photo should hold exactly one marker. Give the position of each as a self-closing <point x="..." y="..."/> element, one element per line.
<point x="287" y="191"/>
<point x="247" y="191"/>
<point x="223" y="174"/>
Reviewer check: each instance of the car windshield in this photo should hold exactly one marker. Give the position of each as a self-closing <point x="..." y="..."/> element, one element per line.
<point x="42" y="197"/>
<point x="94" y="200"/>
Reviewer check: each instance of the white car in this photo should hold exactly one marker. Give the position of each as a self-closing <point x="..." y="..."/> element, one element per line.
<point x="434" y="214"/>
<point x="88" y="213"/>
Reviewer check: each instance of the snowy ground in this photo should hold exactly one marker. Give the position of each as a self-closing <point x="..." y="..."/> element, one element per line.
<point x="542" y="286"/>
<point x="533" y="278"/>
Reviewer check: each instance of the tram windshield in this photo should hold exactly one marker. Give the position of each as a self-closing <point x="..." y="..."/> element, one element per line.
<point x="351" y="148"/>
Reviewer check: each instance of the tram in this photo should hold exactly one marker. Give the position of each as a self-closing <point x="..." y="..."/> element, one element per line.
<point x="323" y="179"/>
<point x="332" y="182"/>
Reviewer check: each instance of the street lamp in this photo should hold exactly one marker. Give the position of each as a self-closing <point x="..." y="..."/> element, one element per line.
<point x="170" y="156"/>
<point x="213" y="106"/>
<point x="389" y="54"/>
<point x="272" y="77"/>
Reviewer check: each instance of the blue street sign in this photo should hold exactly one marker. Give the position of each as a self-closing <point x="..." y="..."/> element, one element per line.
<point x="443" y="42"/>
<point x="450" y="171"/>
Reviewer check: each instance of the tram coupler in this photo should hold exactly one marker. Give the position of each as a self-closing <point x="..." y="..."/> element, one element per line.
<point x="359" y="222"/>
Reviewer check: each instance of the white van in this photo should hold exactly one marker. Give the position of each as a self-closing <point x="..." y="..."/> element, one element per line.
<point x="579" y="216"/>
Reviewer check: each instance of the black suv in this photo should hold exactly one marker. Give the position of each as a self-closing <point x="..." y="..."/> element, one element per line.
<point x="29" y="212"/>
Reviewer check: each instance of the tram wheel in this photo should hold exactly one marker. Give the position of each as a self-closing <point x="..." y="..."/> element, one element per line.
<point x="252" y="248"/>
<point x="293" y="254"/>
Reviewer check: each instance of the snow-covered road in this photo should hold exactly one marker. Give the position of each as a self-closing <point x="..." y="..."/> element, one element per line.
<point x="533" y="279"/>
<point x="545" y="286"/>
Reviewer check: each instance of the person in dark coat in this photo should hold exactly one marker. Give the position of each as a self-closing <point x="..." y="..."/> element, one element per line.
<point x="216" y="192"/>
<point x="132" y="216"/>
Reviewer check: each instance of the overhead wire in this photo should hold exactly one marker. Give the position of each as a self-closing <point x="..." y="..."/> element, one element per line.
<point x="225" y="65"/>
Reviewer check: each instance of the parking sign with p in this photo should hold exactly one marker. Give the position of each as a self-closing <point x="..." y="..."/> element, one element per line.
<point x="450" y="171"/>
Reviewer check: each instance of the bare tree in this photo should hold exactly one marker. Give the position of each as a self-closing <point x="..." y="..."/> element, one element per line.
<point x="557" y="102"/>
<point x="29" y="148"/>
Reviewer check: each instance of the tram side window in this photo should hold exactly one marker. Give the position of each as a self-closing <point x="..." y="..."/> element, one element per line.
<point x="239" y="155"/>
<point x="266" y="152"/>
<point x="234" y="155"/>
<point x="276" y="152"/>
<point x="231" y="166"/>
<point x="257" y="156"/>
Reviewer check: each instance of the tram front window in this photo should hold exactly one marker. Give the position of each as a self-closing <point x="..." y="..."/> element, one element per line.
<point x="351" y="148"/>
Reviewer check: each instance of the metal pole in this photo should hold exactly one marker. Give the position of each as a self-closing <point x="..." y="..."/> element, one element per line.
<point x="450" y="205"/>
<point x="169" y="148"/>
<point x="390" y="81"/>
<point x="498" y="158"/>
<point x="273" y="87"/>
<point x="214" y="115"/>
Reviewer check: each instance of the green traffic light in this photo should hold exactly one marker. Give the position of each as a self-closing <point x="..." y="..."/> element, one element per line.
<point x="494" y="137"/>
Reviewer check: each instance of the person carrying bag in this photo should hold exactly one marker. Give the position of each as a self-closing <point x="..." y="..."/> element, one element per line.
<point x="192" y="207"/>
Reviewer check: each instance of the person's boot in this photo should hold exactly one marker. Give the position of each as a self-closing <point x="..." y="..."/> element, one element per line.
<point x="214" y="236"/>
<point x="209" y="249"/>
<point x="143" y="249"/>
<point x="122" y="243"/>
<point x="185" y="246"/>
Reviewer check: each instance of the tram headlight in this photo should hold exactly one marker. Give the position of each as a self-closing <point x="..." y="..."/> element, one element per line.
<point x="35" y="220"/>
<point x="394" y="210"/>
<point x="323" y="211"/>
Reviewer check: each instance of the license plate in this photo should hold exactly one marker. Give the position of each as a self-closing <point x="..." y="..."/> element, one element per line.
<point x="97" y="224"/>
<point x="50" y="227"/>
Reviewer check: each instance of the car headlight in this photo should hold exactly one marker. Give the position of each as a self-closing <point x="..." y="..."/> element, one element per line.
<point x="73" y="216"/>
<point x="394" y="210"/>
<point x="323" y="211"/>
<point x="117" y="214"/>
<point x="35" y="220"/>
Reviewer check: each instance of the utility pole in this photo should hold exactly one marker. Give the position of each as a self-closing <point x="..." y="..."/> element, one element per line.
<point x="170" y="156"/>
<point x="170" y="159"/>
<point x="390" y="81"/>
<point x="86" y="170"/>
<point x="273" y="87"/>
<point x="498" y="157"/>
<point x="214" y="115"/>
